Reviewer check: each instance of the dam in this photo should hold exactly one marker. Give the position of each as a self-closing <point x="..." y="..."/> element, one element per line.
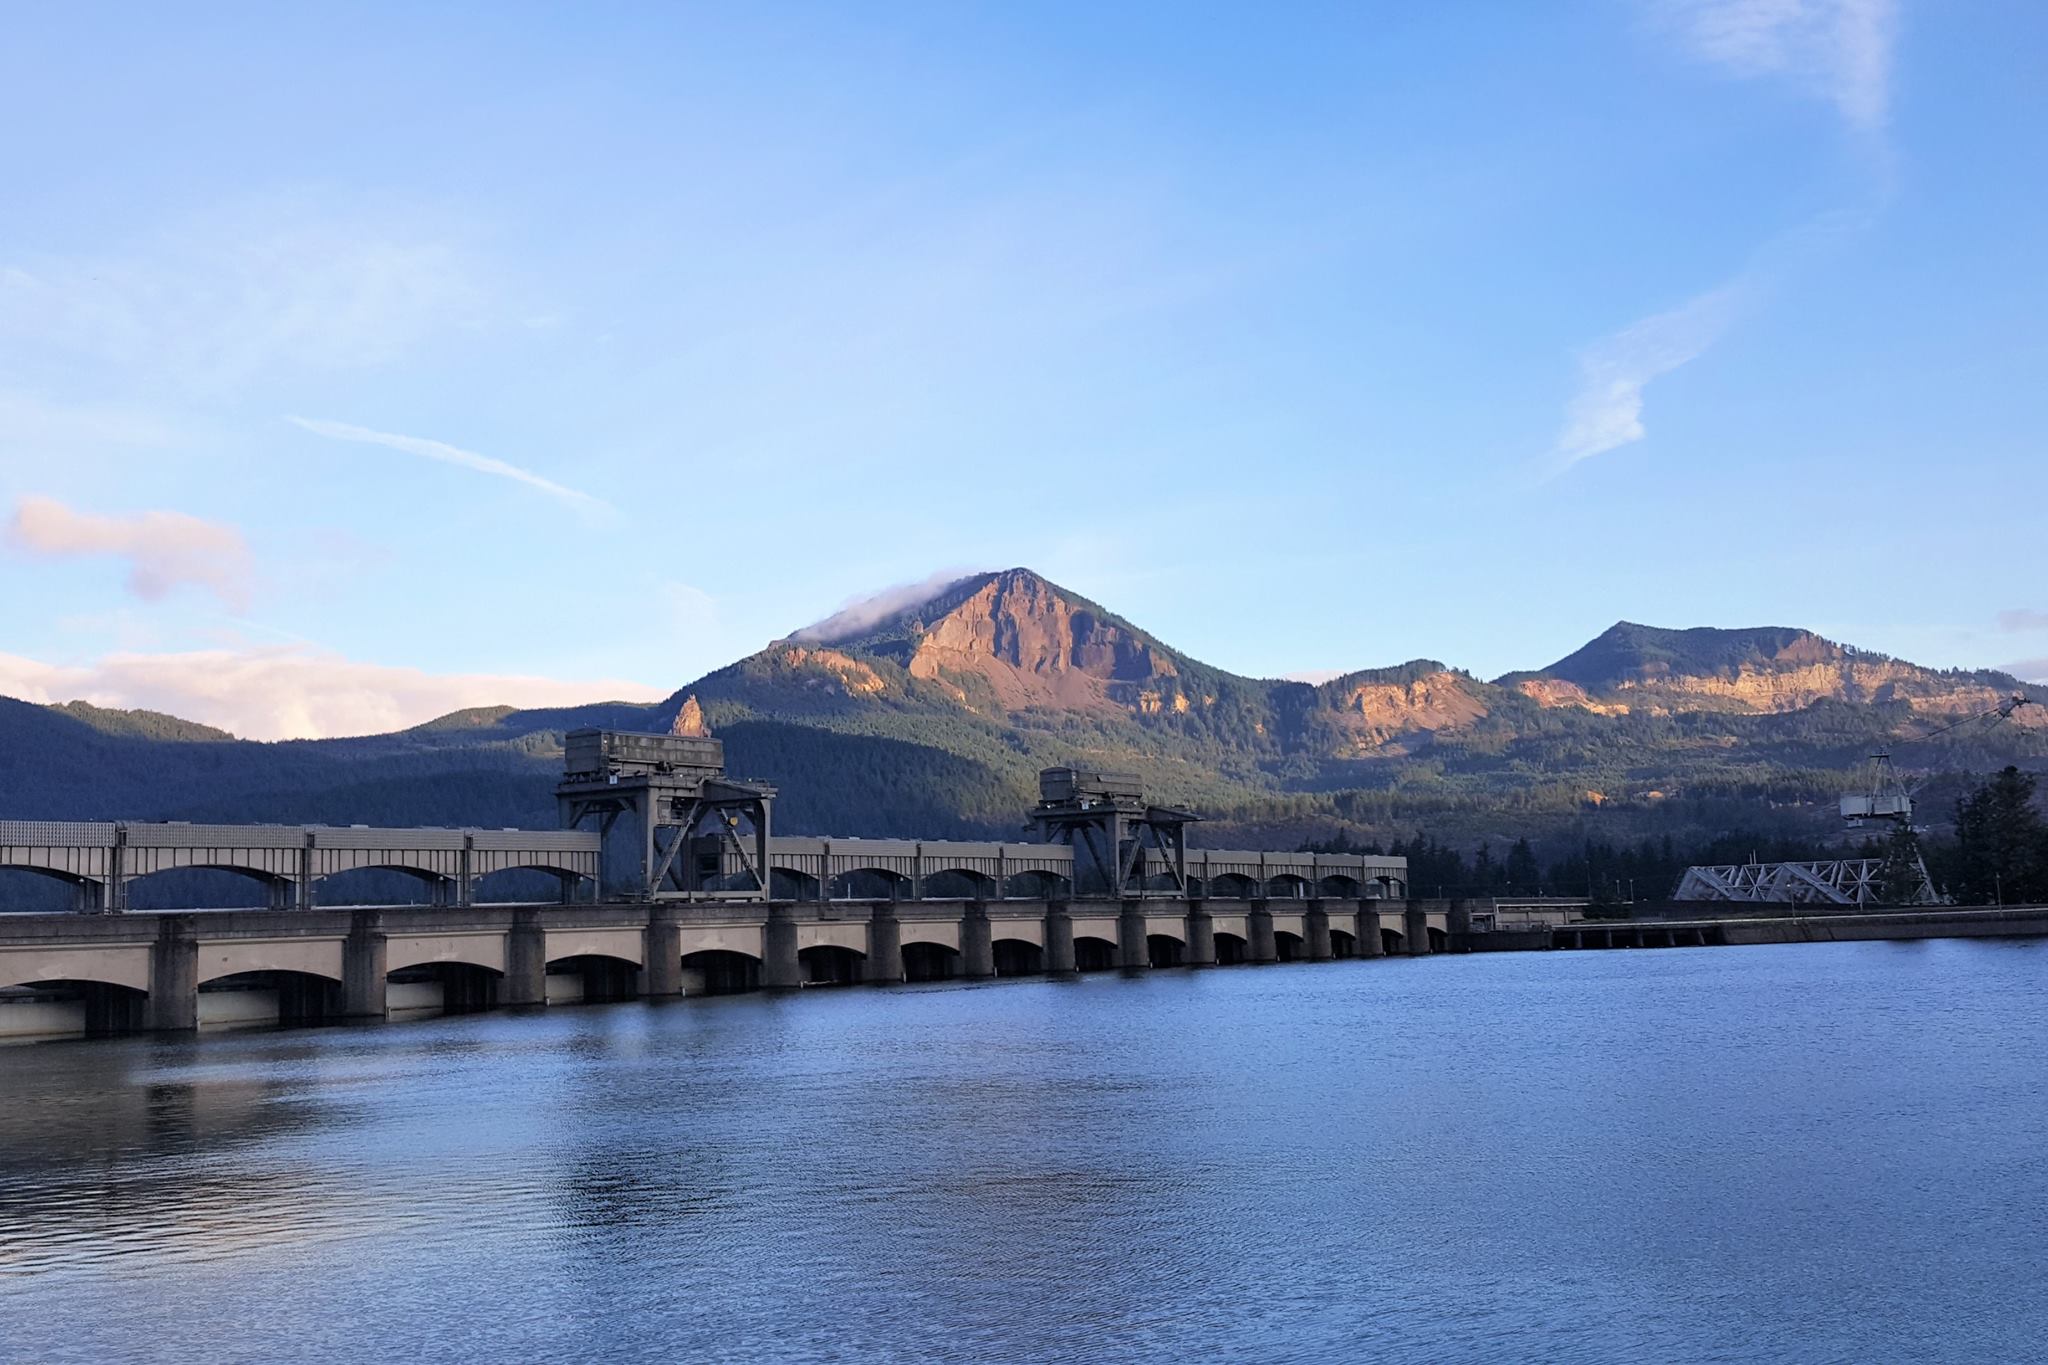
<point x="670" y="882"/>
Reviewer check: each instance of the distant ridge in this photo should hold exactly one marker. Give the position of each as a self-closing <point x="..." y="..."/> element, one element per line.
<point x="927" y="711"/>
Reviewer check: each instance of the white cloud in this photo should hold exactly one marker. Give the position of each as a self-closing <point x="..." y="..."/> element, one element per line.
<point x="163" y="550"/>
<point x="1314" y="677"/>
<point x="291" y="692"/>
<point x="864" y="613"/>
<point x="1838" y="50"/>
<point x="447" y="454"/>
<point x="2030" y="670"/>
<point x="1607" y="411"/>
<point x="2023" y="618"/>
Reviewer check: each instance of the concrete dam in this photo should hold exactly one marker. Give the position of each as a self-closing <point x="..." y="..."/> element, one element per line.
<point x="671" y="882"/>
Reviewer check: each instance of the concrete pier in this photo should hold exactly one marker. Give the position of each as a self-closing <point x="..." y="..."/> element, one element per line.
<point x="1262" y="946"/>
<point x="1059" y="939"/>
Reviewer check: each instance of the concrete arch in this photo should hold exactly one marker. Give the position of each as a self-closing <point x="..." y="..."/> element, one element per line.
<point x="1342" y="887"/>
<point x="1287" y="886"/>
<point x="1391" y="942"/>
<point x="720" y="971"/>
<point x="868" y="884"/>
<point x="1018" y="957"/>
<point x="1230" y="886"/>
<point x="1167" y="926"/>
<point x="54" y="873"/>
<point x="1036" y="884"/>
<point x="324" y="884"/>
<point x="87" y="892"/>
<point x="850" y="935"/>
<point x="1343" y="943"/>
<point x="1288" y="947"/>
<point x="925" y="960"/>
<point x="321" y="957"/>
<point x="119" y="965"/>
<point x="442" y="987"/>
<point x="72" y="1009"/>
<point x="487" y="951"/>
<point x="1231" y="949"/>
<point x="592" y="977"/>
<point x="1162" y="950"/>
<point x="1439" y="941"/>
<point x="830" y="964"/>
<point x="265" y="875"/>
<point x="480" y="885"/>
<point x="792" y="884"/>
<point x="938" y="933"/>
<point x="1092" y="954"/>
<point x="957" y="883"/>
<point x="265" y="997"/>
<point x="424" y="873"/>
<point x="626" y="943"/>
<point x="277" y="887"/>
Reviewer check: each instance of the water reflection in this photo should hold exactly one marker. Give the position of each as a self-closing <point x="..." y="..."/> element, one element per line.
<point x="1684" y="1154"/>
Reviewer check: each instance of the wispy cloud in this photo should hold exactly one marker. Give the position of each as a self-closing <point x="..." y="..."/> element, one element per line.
<point x="1838" y="50"/>
<point x="2029" y="670"/>
<point x="446" y="454"/>
<point x="163" y="550"/>
<point x="258" y="286"/>
<point x="865" y="613"/>
<point x="1607" y="410"/>
<point x="2023" y="618"/>
<point x="290" y="691"/>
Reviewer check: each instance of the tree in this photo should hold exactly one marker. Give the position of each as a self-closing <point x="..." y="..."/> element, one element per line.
<point x="2001" y="843"/>
<point x="1525" y="877"/>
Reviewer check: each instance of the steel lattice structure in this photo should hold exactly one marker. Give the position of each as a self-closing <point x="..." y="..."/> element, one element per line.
<point x="1845" y="881"/>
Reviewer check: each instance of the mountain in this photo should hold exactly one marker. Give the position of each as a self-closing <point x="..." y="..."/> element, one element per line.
<point x="933" y="715"/>
<point x="1772" y="670"/>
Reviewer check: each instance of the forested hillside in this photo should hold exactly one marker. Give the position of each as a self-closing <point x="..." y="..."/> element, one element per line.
<point x="935" y="719"/>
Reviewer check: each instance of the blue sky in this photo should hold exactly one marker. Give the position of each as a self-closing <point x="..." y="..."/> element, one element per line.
<point x="354" y="367"/>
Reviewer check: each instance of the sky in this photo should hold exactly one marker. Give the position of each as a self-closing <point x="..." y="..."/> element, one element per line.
<point x="356" y="367"/>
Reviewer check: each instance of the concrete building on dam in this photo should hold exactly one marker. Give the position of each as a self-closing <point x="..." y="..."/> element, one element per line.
<point x="671" y="882"/>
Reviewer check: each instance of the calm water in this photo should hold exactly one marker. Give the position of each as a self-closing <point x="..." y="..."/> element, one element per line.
<point x="1808" y="1153"/>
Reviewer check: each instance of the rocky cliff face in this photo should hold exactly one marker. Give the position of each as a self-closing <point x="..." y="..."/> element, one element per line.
<point x="1762" y="671"/>
<point x="1033" y="645"/>
<point x="1365" y="712"/>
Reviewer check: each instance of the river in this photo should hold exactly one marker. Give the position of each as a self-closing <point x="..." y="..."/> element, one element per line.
<point x="1816" y="1152"/>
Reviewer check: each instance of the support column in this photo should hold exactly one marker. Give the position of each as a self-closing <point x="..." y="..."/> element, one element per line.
<point x="1059" y="939"/>
<point x="1201" y="936"/>
<point x="977" y="942"/>
<point x="117" y="872"/>
<point x="526" y="961"/>
<point x="1458" y="935"/>
<point x="1316" y="921"/>
<point x="1259" y="924"/>
<point x="173" y="1005"/>
<point x="884" y="964"/>
<point x="362" y="970"/>
<point x="780" y="970"/>
<point x="663" y="951"/>
<point x="1132" y="952"/>
<point x="1369" y="942"/>
<point x="1415" y="935"/>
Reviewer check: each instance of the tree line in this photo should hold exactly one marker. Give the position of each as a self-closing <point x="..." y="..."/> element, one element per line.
<point x="1996" y="854"/>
